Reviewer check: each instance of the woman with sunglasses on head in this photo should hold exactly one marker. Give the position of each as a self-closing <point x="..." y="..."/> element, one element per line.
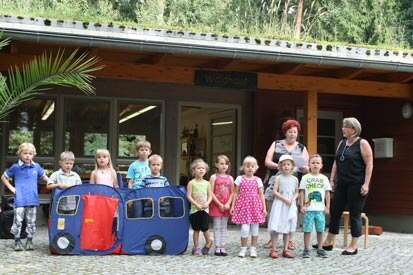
<point x="350" y="178"/>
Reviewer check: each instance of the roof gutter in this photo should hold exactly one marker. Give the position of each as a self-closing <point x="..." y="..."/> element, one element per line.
<point x="203" y="48"/>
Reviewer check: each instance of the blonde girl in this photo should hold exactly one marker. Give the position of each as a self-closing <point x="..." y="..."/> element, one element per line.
<point x="199" y="194"/>
<point x="248" y="208"/>
<point x="104" y="172"/>
<point x="222" y="186"/>
<point x="283" y="217"/>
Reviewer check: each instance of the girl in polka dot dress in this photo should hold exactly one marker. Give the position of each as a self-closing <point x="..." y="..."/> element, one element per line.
<point x="248" y="208"/>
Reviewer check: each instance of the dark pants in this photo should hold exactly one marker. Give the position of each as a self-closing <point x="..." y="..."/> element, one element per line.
<point x="347" y="195"/>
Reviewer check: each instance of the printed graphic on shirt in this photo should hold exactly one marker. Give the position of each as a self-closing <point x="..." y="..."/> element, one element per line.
<point x="315" y="188"/>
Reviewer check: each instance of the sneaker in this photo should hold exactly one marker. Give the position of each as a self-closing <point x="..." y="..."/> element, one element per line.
<point x="253" y="252"/>
<point x="29" y="245"/>
<point x="306" y="253"/>
<point x="205" y="250"/>
<point x="218" y="251"/>
<point x="196" y="251"/>
<point x="321" y="253"/>
<point x="18" y="246"/>
<point x="242" y="253"/>
<point x="223" y="252"/>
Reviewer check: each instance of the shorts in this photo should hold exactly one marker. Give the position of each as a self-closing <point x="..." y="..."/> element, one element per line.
<point x="314" y="217"/>
<point x="199" y="221"/>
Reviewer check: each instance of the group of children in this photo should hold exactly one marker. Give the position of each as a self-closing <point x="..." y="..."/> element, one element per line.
<point x="220" y="198"/>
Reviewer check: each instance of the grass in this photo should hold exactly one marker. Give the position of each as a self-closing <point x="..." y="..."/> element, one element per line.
<point x="51" y="14"/>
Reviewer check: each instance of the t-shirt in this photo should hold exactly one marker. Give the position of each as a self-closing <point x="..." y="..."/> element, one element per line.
<point x="136" y="172"/>
<point x="315" y="189"/>
<point x="25" y="181"/>
<point x="66" y="203"/>
<point x="151" y="181"/>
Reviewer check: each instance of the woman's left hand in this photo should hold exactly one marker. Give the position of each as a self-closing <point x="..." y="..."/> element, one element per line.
<point x="364" y="189"/>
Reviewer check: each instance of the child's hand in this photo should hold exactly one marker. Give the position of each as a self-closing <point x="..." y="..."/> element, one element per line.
<point x="63" y="186"/>
<point x="287" y="201"/>
<point x="264" y="212"/>
<point x="199" y="207"/>
<point x="302" y="210"/>
<point x="227" y="206"/>
<point x="231" y="211"/>
<point x="221" y="207"/>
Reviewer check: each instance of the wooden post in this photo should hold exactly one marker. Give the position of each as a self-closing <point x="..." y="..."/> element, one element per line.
<point x="310" y="121"/>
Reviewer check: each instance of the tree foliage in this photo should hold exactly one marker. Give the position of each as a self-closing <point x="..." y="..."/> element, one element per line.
<point x="372" y="22"/>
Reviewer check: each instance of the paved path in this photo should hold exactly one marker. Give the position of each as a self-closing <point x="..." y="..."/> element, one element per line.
<point x="389" y="253"/>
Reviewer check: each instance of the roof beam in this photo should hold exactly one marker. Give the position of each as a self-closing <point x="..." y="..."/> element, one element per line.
<point x="266" y="81"/>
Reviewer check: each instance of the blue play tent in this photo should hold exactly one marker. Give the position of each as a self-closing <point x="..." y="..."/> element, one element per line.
<point x="94" y="219"/>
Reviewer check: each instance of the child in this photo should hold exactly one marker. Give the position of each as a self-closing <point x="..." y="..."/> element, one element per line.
<point x="104" y="172"/>
<point x="136" y="172"/>
<point x="64" y="178"/>
<point x="24" y="174"/>
<point x="248" y="208"/>
<point x="154" y="179"/>
<point x="314" y="203"/>
<point x="283" y="218"/>
<point x="222" y="186"/>
<point x="139" y="168"/>
<point x="199" y="194"/>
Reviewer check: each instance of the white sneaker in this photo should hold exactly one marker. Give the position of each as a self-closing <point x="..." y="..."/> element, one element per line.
<point x="253" y="252"/>
<point x="242" y="253"/>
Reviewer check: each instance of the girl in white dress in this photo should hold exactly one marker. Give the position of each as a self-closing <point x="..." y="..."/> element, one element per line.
<point x="283" y="217"/>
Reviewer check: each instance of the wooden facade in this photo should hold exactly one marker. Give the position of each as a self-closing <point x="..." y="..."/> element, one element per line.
<point x="373" y="95"/>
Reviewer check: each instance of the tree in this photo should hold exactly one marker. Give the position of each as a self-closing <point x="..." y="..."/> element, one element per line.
<point x="40" y="73"/>
<point x="298" y="18"/>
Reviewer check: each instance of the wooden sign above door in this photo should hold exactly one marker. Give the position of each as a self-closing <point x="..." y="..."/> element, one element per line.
<point x="233" y="80"/>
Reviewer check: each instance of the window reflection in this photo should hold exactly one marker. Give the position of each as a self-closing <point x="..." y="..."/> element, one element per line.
<point x="87" y="126"/>
<point x="33" y="121"/>
<point x="138" y="122"/>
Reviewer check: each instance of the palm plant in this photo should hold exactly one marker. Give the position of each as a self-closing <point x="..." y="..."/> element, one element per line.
<point x="43" y="71"/>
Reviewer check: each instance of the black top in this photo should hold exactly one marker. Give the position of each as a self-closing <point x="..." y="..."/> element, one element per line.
<point x="350" y="164"/>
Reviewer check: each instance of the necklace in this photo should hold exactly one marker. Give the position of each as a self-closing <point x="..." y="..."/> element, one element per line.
<point x="342" y="157"/>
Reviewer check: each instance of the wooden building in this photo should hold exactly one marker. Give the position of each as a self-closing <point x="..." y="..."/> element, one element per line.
<point x="199" y="94"/>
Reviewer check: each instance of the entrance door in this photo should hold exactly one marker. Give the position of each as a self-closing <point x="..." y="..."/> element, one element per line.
<point x="206" y="132"/>
<point x="223" y="139"/>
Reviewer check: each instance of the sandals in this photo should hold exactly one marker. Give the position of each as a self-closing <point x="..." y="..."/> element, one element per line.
<point x="291" y="245"/>
<point x="205" y="249"/>
<point x="287" y="254"/>
<point x="273" y="254"/>
<point x="268" y="244"/>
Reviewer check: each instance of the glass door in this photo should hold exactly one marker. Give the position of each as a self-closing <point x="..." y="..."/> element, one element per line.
<point x="223" y="136"/>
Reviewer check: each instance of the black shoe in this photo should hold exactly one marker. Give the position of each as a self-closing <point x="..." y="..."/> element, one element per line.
<point x="345" y="252"/>
<point x="325" y="247"/>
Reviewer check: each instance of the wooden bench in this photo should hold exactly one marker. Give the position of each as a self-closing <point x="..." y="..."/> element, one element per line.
<point x="346" y="218"/>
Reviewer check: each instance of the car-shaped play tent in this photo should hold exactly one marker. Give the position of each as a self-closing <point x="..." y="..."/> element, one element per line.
<point x="94" y="219"/>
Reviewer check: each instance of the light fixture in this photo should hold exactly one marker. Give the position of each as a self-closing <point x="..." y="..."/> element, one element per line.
<point x="221" y="123"/>
<point x="407" y="110"/>
<point x="136" y="113"/>
<point x="48" y="109"/>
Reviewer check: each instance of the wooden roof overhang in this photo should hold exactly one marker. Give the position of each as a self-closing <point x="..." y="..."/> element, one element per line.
<point x="175" y="57"/>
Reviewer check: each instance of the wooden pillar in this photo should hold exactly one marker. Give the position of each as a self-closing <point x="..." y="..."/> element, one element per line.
<point x="310" y="121"/>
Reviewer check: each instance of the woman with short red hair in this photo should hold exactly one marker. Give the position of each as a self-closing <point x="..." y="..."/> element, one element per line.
<point x="287" y="146"/>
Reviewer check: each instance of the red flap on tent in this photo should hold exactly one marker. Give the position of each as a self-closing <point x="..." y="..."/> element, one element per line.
<point x="98" y="214"/>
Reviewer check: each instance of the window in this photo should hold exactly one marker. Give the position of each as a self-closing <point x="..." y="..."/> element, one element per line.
<point x="34" y="122"/>
<point x="86" y="126"/>
<point x="328" y="135"/>
<point x="139" y="208"/>
<point x="170" y="207"/>
<point x="138" y="122"/>
<point x="68" y="205"/>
